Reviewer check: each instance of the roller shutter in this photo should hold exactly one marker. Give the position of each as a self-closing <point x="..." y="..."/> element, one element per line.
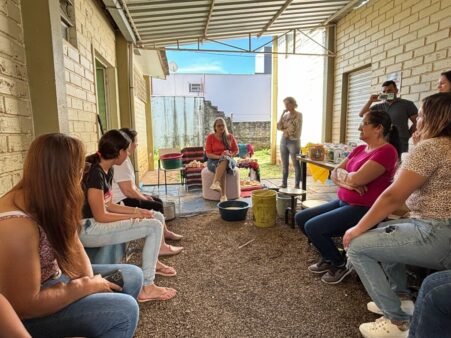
<point x="359" y="87"/>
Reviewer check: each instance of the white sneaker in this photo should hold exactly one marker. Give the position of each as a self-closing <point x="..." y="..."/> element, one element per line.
<point x="223" y="199"/>
<point x="382" y="328"/>
<point x="406" y="305"/>
<point x="216" y="186"/>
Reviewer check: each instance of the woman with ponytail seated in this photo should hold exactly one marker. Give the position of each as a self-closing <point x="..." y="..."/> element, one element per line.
<point x="220" y="147"/>
<point x="361" y="177"/>
<point x="107" y="223"/>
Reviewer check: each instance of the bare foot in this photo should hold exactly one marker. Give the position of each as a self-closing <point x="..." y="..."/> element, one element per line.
<point x="172" y="236"/>
<point x="165" y="270"/>
<point x="155" y="293"/>
<point x="169" y="250"/>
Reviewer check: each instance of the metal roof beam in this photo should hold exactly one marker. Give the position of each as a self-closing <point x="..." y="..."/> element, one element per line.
<point x="343" y="11"/>
<point x="274" y="18"/>
<point x="212" y="6"/>
<point x="231" y="51"/>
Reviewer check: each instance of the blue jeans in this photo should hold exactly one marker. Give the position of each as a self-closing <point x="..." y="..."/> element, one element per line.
<point x="329" y="220"/>
<point x="419" y="242"/>
<point x="432" y="316"/>
<point x="106" y="315"/>
<point x="289" y="148"/>
<point x="95" y="234"/>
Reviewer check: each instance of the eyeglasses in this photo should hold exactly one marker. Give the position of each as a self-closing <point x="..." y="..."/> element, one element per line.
<point x="365" y="123"/>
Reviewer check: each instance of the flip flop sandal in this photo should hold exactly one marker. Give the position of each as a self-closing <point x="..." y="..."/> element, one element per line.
<point x="173" y="251"/>
<point x="166" y="272"/>
<point x="169" y="294"/>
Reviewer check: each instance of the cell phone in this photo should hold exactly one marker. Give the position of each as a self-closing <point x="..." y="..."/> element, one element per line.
<point x="114" y="277"/>
<point x="386" y="97"/>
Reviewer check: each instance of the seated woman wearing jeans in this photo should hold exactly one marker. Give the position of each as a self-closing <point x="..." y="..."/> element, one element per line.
<point x="126" y="191"/>
<point x="432" y="316"/>
<point x="220" y="148"/>
<point x="379" y="256"/>
<point x="362" y="177"/>
<point x="106" y="223"/>
<point x="45" y="273"/>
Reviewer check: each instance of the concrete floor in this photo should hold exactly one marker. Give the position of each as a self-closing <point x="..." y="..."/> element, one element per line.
<point x="189" y="203"/>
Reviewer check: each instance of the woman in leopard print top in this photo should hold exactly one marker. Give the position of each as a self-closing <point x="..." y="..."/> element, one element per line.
<point x="424" y="183"/>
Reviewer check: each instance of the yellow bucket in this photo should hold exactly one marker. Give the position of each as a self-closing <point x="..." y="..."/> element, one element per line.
<point x="264" y="208"/>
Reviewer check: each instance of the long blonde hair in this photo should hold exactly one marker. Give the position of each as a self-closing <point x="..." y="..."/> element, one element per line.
<point x="225" y="135"/>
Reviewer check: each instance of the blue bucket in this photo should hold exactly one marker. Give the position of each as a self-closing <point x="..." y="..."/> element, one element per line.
<point x="232" y="211"/>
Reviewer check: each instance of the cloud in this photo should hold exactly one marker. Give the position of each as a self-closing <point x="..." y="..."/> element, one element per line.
<point x="203" y="67"/>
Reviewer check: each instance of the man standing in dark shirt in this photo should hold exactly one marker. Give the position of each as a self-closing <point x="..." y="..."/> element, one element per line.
<point x="400" y="111"/>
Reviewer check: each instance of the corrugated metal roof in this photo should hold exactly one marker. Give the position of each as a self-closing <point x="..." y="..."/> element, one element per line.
<point x="161" y="23"/>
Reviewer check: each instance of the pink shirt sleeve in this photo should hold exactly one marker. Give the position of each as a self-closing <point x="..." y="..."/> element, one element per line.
<point x="386" y="156"/>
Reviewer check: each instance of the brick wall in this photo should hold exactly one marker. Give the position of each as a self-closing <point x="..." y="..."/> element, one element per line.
<point x="256" y="133"/>
<point x="93" y="36"/>
<point x="410" y="36"/>
<point x="16" y="130"/>
<point x="140" y="98"/>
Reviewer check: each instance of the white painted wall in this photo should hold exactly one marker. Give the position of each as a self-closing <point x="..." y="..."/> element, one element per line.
<point x="247" y="97"/>
<point x="302" y="78"/>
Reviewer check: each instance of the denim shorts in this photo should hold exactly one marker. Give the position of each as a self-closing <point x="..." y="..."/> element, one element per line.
<point x="213" y="164"/>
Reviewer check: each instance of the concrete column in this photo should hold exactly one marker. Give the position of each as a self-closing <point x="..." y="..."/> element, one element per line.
<point x="328" y="101"/>
<point x="149" y="135"/>
<point x="274" y="98"/>
<point x="45" y="65"/>
<point x="124" y="74"/>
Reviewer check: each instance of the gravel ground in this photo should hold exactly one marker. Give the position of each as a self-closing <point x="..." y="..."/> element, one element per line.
<point x="260" y="290"/>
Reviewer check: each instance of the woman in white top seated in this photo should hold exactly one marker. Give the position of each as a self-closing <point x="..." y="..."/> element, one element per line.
<point x="126" y="191"/>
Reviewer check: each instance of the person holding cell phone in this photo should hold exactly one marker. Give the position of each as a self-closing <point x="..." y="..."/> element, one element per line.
<point x="107" y="223"/>
<point x="45" y="273"/>
<point x="290" y="123"/>
<point x="400" y="111"/>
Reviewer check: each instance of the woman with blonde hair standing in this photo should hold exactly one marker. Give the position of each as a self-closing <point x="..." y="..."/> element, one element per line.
<point x="290" y="124"/>
<point x="220" y="147"/>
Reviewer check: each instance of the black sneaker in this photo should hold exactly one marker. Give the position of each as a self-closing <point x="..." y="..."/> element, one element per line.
<point x="321" y="267"/>
<point x="336" y="275"/>
<point x="282" y="186"/>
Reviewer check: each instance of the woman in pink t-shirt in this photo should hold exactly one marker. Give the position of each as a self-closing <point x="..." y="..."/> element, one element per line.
<point x="220" y="148"/>
<point x="361" y="177"/>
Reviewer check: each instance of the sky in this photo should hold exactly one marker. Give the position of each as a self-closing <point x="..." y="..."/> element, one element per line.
<point x="217" y="63"/>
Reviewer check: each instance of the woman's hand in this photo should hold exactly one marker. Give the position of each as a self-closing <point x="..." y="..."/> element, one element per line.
<point x="360" y="190"/>
<point x="148" y="197"/>
<point x="416" y="137"/>
<point x="226" y="153"/>
<point x="96" y="284"/>
<point x="144" y="213"/>
<point x="349" y="235"/>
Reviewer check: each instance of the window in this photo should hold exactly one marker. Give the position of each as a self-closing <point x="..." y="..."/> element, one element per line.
<point x="195" y="87"/>
<point x="101" y="84"/>
<point x="67" y="19"/>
